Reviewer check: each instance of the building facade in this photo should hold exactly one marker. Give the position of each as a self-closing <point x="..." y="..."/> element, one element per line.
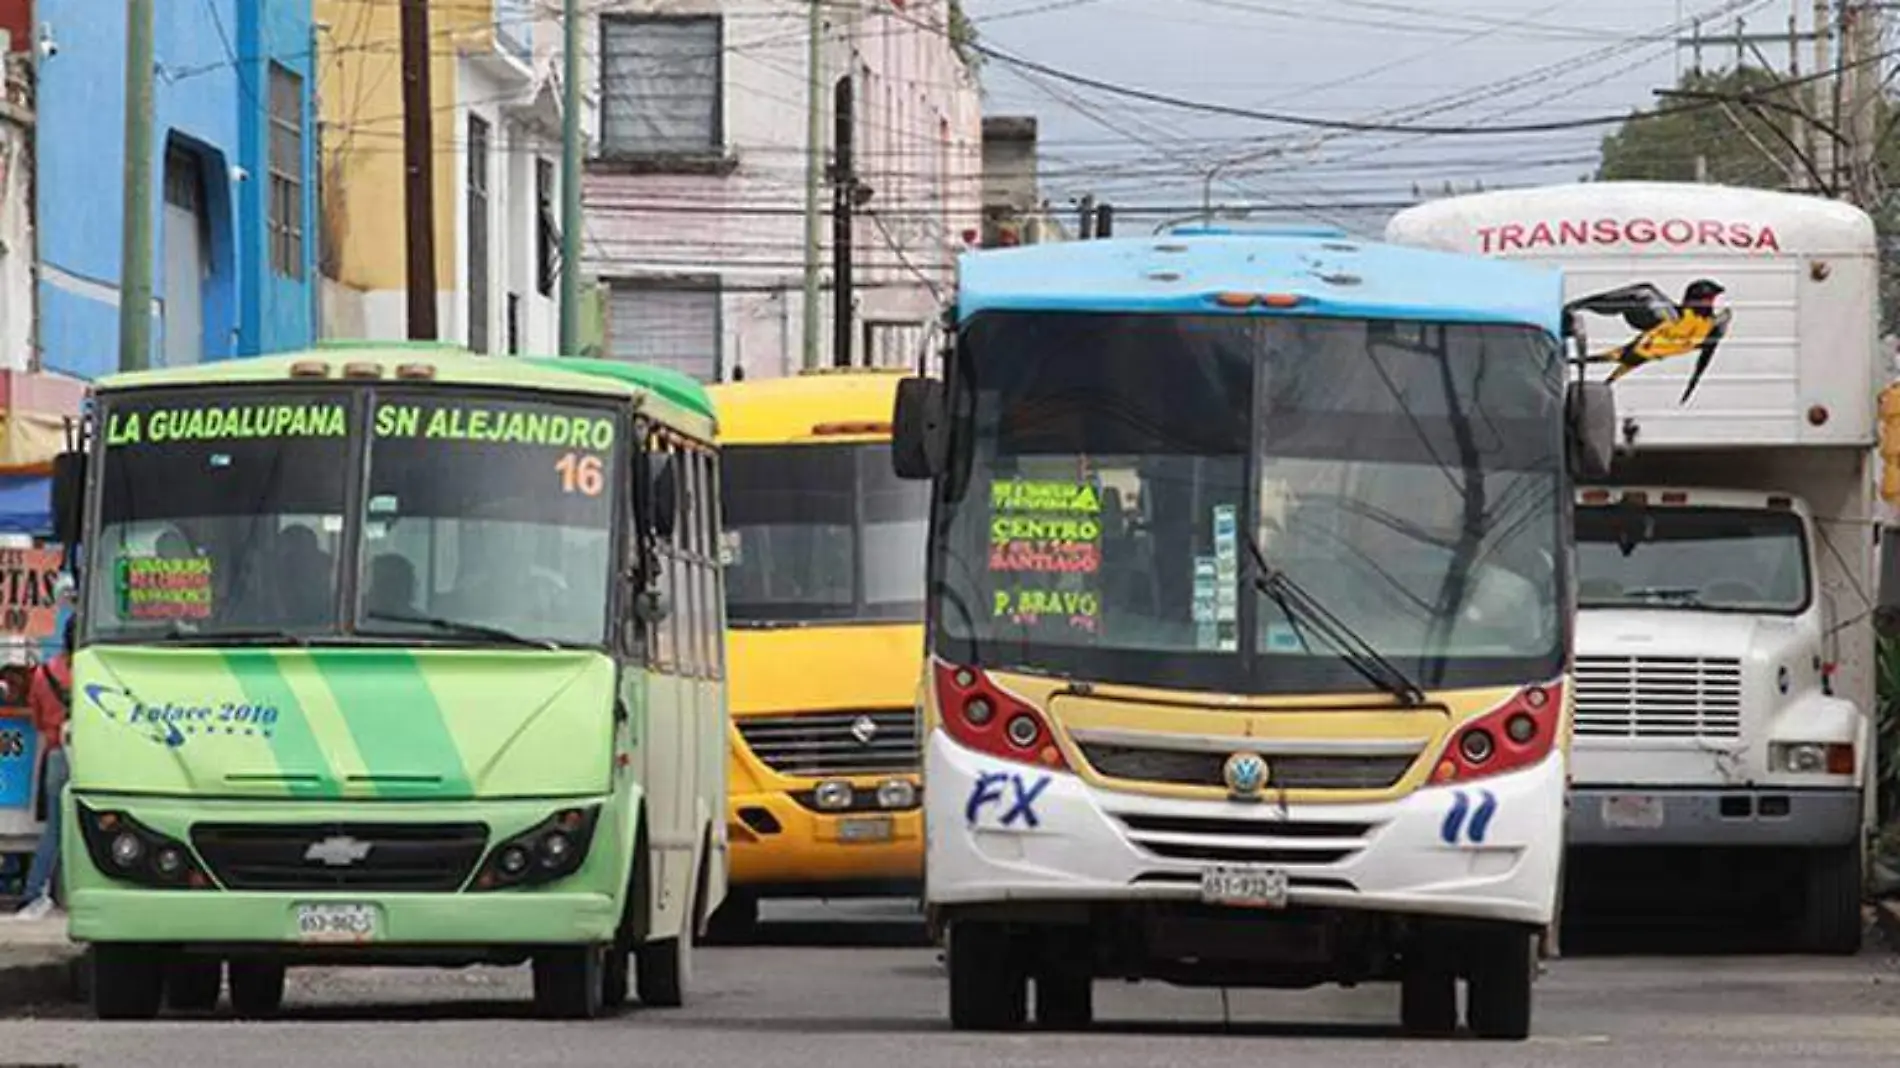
<point x="696" y="195"/>
<point x="233" y="169"/>
<point x="496" y="115"/>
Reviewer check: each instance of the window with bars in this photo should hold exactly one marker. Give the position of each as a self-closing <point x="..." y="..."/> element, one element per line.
<point x="547" y="231"/>
<point x="477" y="234"/>
<point x="286" y="172"/>
<point x="671" y="322"/>
<point x="661" y="85"/>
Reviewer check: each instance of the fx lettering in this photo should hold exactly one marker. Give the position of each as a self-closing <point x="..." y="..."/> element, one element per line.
<point x="1011" y="793"/>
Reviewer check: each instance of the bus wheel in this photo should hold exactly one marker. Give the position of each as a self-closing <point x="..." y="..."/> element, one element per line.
<point x="616" y="975"/>
<point x="128" y="981"/>
<point x="257" y="988"/>
<point x="1065" y="979"/>
<point x="1428" y="999"/>
<point x="663" y="969"/>
<point x="1830" y="920"/>
<point x="989" y="990"/>
<point x="193" y="984"/>
<point x="736" y="921"/>
<point x="568" y="984"/>
<point x="1498" y="989"/>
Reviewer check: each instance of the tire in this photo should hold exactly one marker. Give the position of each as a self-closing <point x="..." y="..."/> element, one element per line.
<point x="1428" y="1000"/>
<point x="1498" y="988"/>
<point x="568" y="982"/>
<point x="616" y="977"/>
<point x="1065" y="980"/>
<point x="736" y="922"/>
<point x="257" y="988"/>
<point x="989" y="990"/>
<point x="1831" y="921"/>
<point x="128" y="981"/>
<point x="194" y="984"/>
<point x="663" y="969"/>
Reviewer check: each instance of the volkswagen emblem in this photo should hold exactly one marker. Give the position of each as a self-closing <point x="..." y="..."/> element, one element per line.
<point x="1246" y="773"/>
<point x="864" y="729"/>
<point x="337" y="851"/>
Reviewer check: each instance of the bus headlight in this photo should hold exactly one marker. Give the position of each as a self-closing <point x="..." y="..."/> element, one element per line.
<point x="833" y="795"/>
<point x="896" y="793"/>
<point x="123" y="848"/>
<point x="553" y="849"/>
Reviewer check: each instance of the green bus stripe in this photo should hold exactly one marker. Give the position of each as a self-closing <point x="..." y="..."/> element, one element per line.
<point x="394" y="717"/>
<point x="294" y="746"/>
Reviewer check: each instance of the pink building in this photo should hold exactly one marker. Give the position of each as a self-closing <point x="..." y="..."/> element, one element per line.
<point x="696" y="194"/>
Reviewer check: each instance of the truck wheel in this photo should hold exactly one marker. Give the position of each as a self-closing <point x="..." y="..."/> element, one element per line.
<point x="1065" y="979"/>
<point x="1428" y="999"/>
<point x="663" y="969"/>
<point x="736" y="921"/>
<point x="193" y="984"/>
<point x="128" y="981"/>
<point x="1831" y="922"/>
<point x="1498" y="989"/>
<point x="989" y="989"/>
<point x="257" y="988"/>
<point x="568" y="982"/>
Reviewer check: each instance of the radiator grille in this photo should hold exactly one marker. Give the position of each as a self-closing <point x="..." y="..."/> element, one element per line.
<point x="1658" y="697"/>
<point x="419" y="857"/>
<point x="825" y="744"/>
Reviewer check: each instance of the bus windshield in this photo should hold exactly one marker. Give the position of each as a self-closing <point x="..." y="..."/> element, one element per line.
<point x="230" y="516"/>
<point x="1117" y="480"/>
<point x="1708" y="559"/>
<point x="821" y="533"/>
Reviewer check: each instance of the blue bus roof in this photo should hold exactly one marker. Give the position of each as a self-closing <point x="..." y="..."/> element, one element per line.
<point x="1330" y="276"/>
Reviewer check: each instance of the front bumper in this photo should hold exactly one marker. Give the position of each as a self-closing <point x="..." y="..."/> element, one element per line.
<point x="1713" y="816"/>
<point x="780" y="846"/>
<point x="1001" y="832"/>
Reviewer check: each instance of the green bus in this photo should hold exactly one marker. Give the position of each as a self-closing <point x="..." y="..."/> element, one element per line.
<point x="392" y="654"/>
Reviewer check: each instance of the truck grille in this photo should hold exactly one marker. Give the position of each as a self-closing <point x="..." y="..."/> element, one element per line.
<point x="824" y="744"/>
<point x="1184" y="767"/>
<point x="1658" y="697"/>
<point x="420" y="857"/>
<point x="1229" y="840"/>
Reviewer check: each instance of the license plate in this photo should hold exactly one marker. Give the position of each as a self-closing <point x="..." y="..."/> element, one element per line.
<point x="872" y="829"/>
<point x="336" y="923"/>
<point x="1633" y="811"/>
<point x="1258" y="887"/>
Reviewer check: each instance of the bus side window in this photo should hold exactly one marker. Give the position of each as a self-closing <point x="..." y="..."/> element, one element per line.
<point x="710" y="571"/>
<point x="686" y="580"/>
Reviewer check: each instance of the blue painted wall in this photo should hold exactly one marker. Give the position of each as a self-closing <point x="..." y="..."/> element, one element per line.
<point x="212" y="93"/>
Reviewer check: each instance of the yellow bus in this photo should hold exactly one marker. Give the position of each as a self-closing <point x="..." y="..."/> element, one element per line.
<point x="824" y="560"/>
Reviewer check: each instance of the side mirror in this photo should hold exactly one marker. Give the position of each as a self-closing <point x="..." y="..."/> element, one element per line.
<point x="1590" y="422"/>
<point x="920" y="429"/>
<point x="69" y="496"/>
<point x="663" y="497"/>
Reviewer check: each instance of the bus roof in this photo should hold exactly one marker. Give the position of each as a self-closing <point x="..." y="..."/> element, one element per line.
<point x="1329" y="275"/>
<point x="452" y="365"/>
<point x="851" y="405"/>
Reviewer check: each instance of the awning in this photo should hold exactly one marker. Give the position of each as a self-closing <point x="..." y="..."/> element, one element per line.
<point x="34" y="409"/>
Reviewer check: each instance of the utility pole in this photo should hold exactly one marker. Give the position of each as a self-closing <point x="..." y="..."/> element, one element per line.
<point x="1826" y="161"/>
<point x="570" y="344"/>
<point x="814" y="170"/>
<point x="1859" y="122"/>
<point x="844" y="188"/>
<point x="135" y="254"/>
<point x="419" y="156"/>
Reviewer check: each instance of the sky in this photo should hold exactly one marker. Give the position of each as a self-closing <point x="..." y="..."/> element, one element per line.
<point x="1441" y="63"/>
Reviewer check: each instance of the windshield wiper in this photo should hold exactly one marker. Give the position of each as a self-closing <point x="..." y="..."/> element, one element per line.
<point x="1690" y="595"/>
<point x="176" y="634"/>
<point x="464" y="628"/>
<point x="1296" y="604"/>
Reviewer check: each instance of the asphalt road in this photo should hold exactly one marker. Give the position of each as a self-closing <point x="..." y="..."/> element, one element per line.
<point x="854" y="986"/>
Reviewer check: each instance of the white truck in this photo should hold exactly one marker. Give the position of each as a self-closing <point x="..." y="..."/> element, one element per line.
<point x="1728" y="569"/>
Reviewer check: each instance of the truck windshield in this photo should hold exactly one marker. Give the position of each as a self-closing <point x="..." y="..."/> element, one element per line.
<point x="1715" y="559"/>
<point x="220" y="516"/>
<point x="1106" y="469"/>
<point x="489" y="517"/>
<point x="821" y="533"/>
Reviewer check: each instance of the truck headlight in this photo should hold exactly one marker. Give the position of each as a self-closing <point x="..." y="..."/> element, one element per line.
<point x="1811" y="758"/>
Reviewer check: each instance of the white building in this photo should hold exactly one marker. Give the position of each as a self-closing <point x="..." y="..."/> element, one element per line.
<point x="696" y="196"/>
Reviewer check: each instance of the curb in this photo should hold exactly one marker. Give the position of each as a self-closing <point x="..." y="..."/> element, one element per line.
<point x="1887" y="919"/>
<point x="41" y="976"/>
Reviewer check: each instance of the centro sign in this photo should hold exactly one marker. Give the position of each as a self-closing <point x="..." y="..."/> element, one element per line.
<point x="1638" y="231"/>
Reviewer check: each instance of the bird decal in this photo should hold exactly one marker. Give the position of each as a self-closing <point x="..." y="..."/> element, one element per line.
<point x="1664" y="328"/>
